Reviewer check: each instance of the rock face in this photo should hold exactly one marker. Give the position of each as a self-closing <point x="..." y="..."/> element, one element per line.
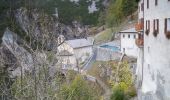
<point x="38" y="24"/>
<point x="41" y="29"/>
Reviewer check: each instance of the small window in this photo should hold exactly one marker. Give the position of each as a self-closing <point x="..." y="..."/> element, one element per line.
<point x="134" y="36"/>
<point x="142" y="7"/>
<point x="123" y="50"/>
<point x="156" y="2"/>
<point x="123" y="35"/>
<point x="129" y="36"/>
<point x="147" y="4"/>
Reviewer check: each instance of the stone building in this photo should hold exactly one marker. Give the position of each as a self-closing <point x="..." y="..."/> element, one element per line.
<point x="73" y="52"/>
<point x="154" y="60"/>
<point x="128" y="45"/>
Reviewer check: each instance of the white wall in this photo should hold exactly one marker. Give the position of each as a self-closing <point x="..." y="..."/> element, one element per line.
<point x="156" y="79"/>
<point x="129" y="44"/>
<point x="65" y="46"/>
<point x="83" y="53"/>
<point x="140" y="13"/>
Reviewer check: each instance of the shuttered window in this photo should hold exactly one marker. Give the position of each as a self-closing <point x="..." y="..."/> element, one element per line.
<point x="167" y="27"/>
<point x="156" y="24"/>
<point x="155" y="27"/>
<point x="168" y="24"/>
<point x="147" y="27"/>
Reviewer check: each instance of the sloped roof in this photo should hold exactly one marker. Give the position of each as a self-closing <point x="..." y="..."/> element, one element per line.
<point x="79" y="43"/>
<point x="131" y="30"/>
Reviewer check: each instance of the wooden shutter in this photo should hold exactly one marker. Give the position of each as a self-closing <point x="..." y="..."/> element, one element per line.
<point x="154" y="25"/>
<point x="158" y="25"/>
<point x="165" y="25"/>
<point x="149" y="25"/>
<point x="146" y="25"/>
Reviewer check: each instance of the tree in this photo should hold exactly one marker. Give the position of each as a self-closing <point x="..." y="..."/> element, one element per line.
<point x="78" y="90"/>
<point x="118" y="10"/>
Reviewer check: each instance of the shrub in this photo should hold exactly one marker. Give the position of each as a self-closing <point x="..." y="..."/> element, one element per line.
<point x="118" y="94"/>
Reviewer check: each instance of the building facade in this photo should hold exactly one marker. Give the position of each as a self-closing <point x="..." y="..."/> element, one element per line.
<point x="73" y="52"/>
<point x="156" y="49"/>
<point x="128" y="45"/>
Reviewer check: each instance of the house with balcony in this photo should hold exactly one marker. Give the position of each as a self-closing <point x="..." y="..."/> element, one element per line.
<point x="153" y="58"/>
<point x="128" y="40"/>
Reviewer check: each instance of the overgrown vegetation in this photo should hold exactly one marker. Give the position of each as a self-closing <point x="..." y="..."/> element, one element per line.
<point x="120" y="78"/>
<point x="118" y="10"/>
<point x="79" y="89"/>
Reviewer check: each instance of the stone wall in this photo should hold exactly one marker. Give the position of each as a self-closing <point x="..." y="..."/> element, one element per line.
<point x="104" y="54"/>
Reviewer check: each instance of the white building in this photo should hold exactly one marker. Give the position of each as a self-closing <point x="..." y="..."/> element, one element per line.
<point x="128" y="45"/>
<point x="73" y="52"/>
<point x="156" y="60"/>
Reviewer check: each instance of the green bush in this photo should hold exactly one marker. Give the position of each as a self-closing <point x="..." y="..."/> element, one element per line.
<point x="118" y="94"/>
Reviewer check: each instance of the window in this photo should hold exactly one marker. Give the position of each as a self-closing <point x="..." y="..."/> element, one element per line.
<point x="155" y="27"/>
<point x="129" y="36"/>
<point x="147" y="4"/>
<point x="142" y="7"/>
<point x="147" y="27"/>
<point x="123" y="50"/>
<point x="123" y="35"/>
<point x="156" y="2"/>
<point x="148" y="49"/>
<point x="167" y="27"/>
<point x="134" y="36"/>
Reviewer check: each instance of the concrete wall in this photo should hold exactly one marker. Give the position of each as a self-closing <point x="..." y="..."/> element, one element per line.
<point x="83" y="54"/>
<point x="129" y="44"/>
<point x="156" y="79"/>
<point x="103" y="54"/>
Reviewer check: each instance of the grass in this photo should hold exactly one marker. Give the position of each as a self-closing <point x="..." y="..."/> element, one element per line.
<point x="96" y="70"/>
<point x="107" y="35"/>
<point x="104" y="36"/>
